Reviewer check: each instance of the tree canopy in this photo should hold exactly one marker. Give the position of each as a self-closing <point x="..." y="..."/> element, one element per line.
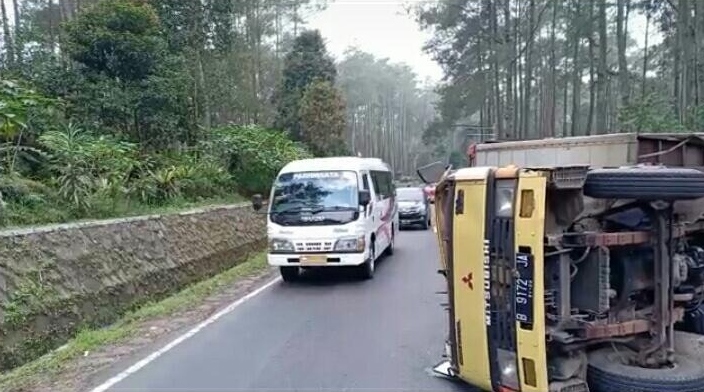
<point x="307" y="62"/>
<point x="517" y="69"/>
<point x="111" y="107"/>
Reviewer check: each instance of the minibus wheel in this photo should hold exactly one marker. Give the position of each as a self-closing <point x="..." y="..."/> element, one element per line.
<point x="367" y="269"/>
<point x="390" y="249"/>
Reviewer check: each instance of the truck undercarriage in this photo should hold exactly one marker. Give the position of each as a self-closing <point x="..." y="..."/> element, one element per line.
<point x="623" y="264"/>
<point x="625" y="270"/>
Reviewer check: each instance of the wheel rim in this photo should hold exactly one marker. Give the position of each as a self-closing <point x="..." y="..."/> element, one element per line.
<point x="372" y="260"/>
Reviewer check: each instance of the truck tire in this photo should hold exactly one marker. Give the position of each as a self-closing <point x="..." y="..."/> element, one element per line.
<point x="694" y="320"/>
<point x="606" y="373"/>
<point x="645" y="183"/>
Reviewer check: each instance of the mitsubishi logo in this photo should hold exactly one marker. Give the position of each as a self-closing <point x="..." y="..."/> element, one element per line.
<point x="468" y="281"/>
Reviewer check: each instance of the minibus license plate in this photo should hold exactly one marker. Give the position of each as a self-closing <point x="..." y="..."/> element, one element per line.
<point x="314" y="259"/>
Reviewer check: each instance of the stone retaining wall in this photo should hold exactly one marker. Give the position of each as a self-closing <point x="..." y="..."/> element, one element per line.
<point x="57" y="279"/>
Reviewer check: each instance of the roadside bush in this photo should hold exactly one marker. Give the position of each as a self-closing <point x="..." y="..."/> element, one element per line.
<point x="253" y="155"/>
<point x="73" y="173"/>
<point x="28" y="202"/>
<point x="85" y="164"/>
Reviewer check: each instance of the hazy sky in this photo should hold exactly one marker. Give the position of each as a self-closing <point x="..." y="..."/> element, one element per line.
<point x="380" y="27"/>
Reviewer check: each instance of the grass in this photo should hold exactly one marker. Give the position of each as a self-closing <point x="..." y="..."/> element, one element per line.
<point x="89" y="340"/>
<point x="18" y="215"/>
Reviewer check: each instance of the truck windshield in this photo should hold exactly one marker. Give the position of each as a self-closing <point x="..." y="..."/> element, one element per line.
<point x="299" y="196"/>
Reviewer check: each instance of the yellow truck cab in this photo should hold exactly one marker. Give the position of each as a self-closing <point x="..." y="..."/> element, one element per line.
<point x="572" y="278"/>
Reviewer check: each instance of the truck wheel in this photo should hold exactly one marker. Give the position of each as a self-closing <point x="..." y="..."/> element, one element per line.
<point x="607" y="373"/>
<point x="645" y="183"/>
<point x="694" y="320"/>
<point x="289" y="274"/>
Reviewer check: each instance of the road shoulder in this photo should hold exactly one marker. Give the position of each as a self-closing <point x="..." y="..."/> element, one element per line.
<point x="96" y="355"/>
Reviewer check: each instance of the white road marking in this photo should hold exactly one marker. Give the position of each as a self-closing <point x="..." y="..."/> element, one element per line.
<point x="151" y="357"/>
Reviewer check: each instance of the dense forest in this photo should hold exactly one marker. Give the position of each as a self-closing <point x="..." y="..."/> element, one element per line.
<point x="518" y="69"/>
<point x="118" y="107"/>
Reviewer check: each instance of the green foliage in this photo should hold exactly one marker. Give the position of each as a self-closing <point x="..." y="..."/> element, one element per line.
<point x="19" y="109"/>
<point x="253" y="155"/>
<point x="307" y="61"/>
<point x="110" y="125"/>
<point x="118" y="38"/>
<point x="323" y="119"/>
<point x="85" y="164"/>
<point x="128" y="82"/>
<point x="32" y="295"/>
<point x="651" y="113"/>
<point x="16" y="103"/>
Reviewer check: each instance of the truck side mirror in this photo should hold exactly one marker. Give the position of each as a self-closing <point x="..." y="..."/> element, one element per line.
<point x="257" y="202"/>
<point x="365" y="197"/>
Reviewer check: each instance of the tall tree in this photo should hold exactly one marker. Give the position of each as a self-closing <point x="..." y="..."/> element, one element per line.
<point x="7" y="36"/>
<point x="323" y="119"/>
<point x="307" y="61"/>
<point x="595" y="67"/>
<point x="387" y="110"/>
<point x="127" y="82"/>
<point x="622" y="38"/>
<point x="602" y="72"/>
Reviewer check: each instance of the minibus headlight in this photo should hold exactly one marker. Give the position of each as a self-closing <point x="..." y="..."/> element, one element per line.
<point x="355" y="244"/>
<point x="504" y="202"/>
<point x="279" y="245"/>
<point x="509" y="369"/>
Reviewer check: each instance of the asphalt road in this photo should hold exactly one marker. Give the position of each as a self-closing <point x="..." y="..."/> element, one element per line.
<point x="330" y="332"/>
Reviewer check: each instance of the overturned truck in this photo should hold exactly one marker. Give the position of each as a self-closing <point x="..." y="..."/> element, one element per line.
<point x="575" y="264"/>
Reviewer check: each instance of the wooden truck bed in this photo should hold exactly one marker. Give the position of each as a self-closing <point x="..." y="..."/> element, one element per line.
<point x="671" y="149"/>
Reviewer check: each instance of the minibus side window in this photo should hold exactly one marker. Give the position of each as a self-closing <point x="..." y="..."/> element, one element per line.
<point x="383" y="184"/>
<point x="378" y="191"/>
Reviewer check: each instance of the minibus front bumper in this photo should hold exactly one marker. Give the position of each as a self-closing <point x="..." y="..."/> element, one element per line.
<point x="317" y="260"/>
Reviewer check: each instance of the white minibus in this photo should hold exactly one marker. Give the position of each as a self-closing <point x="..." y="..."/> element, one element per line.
<point x="329" y="212"/>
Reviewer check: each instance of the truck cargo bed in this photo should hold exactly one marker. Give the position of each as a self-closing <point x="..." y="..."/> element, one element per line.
<point x="671" y="149"/>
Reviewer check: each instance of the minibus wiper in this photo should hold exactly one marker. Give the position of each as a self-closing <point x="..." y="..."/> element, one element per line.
<point x="341" y="208"/>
